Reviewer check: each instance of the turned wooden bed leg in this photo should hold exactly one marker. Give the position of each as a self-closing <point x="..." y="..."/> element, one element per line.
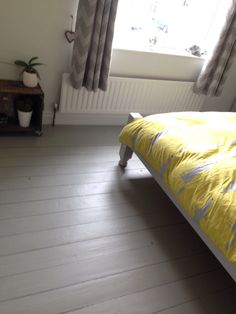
<point x="126" y="152"/>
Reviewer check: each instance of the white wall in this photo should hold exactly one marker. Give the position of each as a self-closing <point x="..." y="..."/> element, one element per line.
<point x="36" y="28"/>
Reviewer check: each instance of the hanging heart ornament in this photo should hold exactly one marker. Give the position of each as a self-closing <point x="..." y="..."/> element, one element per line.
<point x="70" y="36"/>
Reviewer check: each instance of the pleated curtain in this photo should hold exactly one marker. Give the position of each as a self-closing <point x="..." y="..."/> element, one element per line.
<point x="214" y="73"/>
<point x="93" y="44"/>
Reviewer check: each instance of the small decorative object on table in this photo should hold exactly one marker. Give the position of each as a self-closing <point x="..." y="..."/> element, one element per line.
<point x="30" y="74"/>
<point x="24" y="110"/>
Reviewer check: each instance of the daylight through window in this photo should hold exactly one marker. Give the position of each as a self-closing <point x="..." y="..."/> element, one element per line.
<point x="170" y="26"/>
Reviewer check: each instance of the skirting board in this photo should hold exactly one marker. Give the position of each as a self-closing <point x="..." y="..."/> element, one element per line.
<point x="47" y="117"/>
<point x="85" y="119"/>
<point x="90" y="119"/>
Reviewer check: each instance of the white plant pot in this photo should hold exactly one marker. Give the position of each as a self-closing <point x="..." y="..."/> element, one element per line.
<point x="24" y="118"/>
<point x="30" y="79"/>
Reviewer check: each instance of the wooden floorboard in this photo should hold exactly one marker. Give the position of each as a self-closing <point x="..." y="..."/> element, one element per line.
<point x="58" y="236"/>
<point x="213" y="303"/>
<point x="157" y="298"/>
<point x="13" y="183"/>
<point x="28" y="151"/>
<point x="79" y="235"/>
<point x="76" y="251"/>
<point x="17" y="226"/>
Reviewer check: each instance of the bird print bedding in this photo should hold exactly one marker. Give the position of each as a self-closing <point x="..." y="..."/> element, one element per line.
<point x="195" y="154"/>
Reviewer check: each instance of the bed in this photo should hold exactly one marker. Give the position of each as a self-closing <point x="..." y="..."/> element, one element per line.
<point x="192" y="156"/>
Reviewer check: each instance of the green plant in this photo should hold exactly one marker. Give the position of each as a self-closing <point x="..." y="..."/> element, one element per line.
<point x="25" y="105"/>
<point x="29" y="66"/>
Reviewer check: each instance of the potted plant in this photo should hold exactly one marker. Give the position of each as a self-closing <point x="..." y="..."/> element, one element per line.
<point x="30" y="74"/>
<point x="24" y="109"/>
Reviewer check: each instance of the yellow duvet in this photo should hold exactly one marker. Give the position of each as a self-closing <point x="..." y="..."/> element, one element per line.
<point x="195" y="153"/>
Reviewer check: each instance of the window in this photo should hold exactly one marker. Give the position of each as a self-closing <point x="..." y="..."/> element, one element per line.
<point x="169" y="26"/>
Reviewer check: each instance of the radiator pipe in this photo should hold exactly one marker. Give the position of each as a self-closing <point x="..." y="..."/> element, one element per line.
<point x="55" y="108"/>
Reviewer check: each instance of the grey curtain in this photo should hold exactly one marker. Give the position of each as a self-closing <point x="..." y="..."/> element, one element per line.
<point x="214" y="73"/>
<point x="93" y="43"/>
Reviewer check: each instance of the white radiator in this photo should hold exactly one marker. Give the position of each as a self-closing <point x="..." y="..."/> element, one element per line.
<point x="125" y="95"/>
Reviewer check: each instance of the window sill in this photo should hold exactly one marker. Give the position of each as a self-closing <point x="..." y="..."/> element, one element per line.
<point x="164" y="51"/>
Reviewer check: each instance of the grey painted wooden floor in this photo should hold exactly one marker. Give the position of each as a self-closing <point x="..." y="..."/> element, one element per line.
<point x="79" y="235"/>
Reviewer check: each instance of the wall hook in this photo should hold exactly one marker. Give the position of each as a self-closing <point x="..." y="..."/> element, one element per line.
<point x="70" y="35"/>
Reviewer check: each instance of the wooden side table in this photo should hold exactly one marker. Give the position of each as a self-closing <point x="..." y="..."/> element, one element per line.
<point x="10" y="92"/>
